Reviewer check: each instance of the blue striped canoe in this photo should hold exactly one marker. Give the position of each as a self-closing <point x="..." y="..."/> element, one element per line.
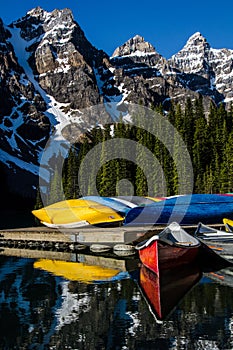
<point x="187" y="210"/>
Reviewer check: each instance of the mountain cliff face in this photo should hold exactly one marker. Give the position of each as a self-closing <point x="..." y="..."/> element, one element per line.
<point x="49" y="72"/>
<point x="210" y="69"/>
<point x="192" y="71"/>
<point x="60" y="57"/>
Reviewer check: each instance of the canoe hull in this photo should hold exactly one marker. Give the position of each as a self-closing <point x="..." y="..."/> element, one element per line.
<point x="221" y="242"/>
<point x="228" y="224"/>
<point x="160" y="256"/>
<point x="186" y="210"/>
<point x="76" y="213"/>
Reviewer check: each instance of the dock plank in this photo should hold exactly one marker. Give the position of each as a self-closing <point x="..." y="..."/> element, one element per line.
<point x="88" y="235"/>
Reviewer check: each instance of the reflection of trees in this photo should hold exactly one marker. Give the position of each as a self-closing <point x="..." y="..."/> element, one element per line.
<point x="40" y="311"/>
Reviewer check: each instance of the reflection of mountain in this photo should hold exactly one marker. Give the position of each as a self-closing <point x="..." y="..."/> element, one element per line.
<point x="41" y="304"/>
<point x="39" y="310"/>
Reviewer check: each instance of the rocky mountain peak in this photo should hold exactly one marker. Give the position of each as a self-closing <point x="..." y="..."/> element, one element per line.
<point x="197" y="39"/>
<point x="193" y="57"/>
<point x="40" y="13"/>
<point x="49" y="71"/>
<point x="196" y="45"/>
<point x="38" y="21"/>
<point x="135" y="45"/>
<point x="36" y="12"/>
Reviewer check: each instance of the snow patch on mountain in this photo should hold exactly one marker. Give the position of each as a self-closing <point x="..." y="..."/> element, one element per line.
<point x="11" y="161"/>
<point x="55" y="114"/>
<point x="20" y="45"/>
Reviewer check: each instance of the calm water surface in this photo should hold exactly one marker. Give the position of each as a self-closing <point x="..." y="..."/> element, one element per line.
<point x="44" y="306"/>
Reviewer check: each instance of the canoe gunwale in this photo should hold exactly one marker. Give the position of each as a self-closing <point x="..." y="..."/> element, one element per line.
<point x="172" y="235"/>
<point x="207" y="233"/>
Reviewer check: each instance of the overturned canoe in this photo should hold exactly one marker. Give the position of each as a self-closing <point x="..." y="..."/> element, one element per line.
<point x="137" y="200"/>
<point x="220" y="241"/>
<point x="187" y="210"/>
<point x="113" y="203"/>
<point x="228" y="224"/>
<point x="74" y="213"/>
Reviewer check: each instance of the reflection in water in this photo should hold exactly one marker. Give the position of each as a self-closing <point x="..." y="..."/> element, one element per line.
<point x="164" y="291"/>
<point x="43" y="310"/>
<point x="223" y="276"/>
<point x="78" y="271"/>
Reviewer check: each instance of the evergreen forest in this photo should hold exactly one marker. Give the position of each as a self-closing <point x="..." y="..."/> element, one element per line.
<point x="125" y="167"/>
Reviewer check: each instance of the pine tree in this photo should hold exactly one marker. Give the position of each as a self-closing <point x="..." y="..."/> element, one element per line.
<point x="70" y="182"/>
<point x="88" y="166"/>
<point x="107" y="174"/>
<point x="201" y="147"/>
<point x="226" y="177"/>
<point x="38" y="202"/>
<point x="230" y="119"/>
<point x="189" y="124"/>
<point x="56" y="188"/>
<point x="171" y="114"/>
<point x="160" y="186"/>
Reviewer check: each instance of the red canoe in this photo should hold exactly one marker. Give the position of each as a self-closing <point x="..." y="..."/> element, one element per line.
<point x="173" y="247"/>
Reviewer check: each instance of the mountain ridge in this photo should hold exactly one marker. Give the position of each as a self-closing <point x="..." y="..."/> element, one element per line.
<point x="50" y="72"/>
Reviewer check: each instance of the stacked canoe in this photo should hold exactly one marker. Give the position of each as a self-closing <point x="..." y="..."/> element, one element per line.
<point x="136" y="211"/>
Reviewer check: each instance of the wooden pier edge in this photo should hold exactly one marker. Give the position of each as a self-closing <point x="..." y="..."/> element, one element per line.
<point x="87" y="236"/>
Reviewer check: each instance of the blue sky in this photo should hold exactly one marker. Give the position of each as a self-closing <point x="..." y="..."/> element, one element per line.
<point x="165" y="24"/>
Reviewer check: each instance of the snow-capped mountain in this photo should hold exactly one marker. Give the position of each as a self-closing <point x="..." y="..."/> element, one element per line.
<point x="192" y="71"/>
<point x="210" y="69"/>
<point x="50" y="72"/>
<point x="47" y="75"/>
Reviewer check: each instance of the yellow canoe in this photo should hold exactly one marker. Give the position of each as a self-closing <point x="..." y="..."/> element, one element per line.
<point x="76" y="271"/>
<point x="228" y="224"/>
<point x="76" y="213"/>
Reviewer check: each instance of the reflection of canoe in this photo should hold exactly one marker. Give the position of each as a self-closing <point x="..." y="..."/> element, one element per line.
<point x="188" y="209"/>
<point x="162" y="293"/>
<point x="170" y="248"/>
<point x="77" y="213"/>
<point x="77" y="271"/>
<point x="224" y="276"/>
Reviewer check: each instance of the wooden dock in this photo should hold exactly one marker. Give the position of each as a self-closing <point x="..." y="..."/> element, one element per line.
<point x="85" y="236"/>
